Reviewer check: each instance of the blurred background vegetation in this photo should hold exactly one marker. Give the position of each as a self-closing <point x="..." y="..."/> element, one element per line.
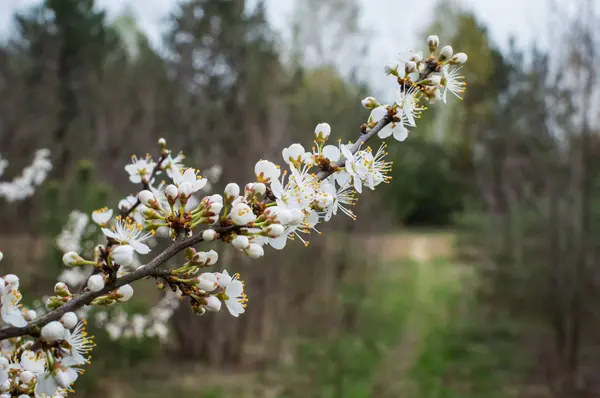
<point x="473" y="275"/>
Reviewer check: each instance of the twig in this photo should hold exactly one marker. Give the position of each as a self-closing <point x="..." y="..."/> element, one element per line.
<point x="85" y="297"/>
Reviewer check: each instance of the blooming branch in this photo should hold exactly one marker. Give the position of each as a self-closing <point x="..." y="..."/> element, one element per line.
<point x="270" y="211"/>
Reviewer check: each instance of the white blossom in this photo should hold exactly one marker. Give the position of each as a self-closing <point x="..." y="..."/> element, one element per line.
<point x="140" y="170"/>
<point x="102" y="216"/>
<point x="128" y="232"/>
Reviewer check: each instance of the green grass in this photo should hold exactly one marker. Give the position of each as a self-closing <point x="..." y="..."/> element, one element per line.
<point x="463" y="356"/>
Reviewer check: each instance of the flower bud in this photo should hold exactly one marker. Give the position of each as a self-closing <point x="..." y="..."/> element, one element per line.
<point x="259" y="189"/>
<point x="322" y="131"/>
<point x="445" y="53"/>
<point x="370" y="103"/>
<point x="200" y="258"/>
<point x="213" y="304"/>
<point x="125" y="292"/>
<point x="62" y="289"/>
<point x="433" y="42"/>
<point x="1" y="256"/>
<point x="275" y="230"/>
<point x="207" y="282"/>
<point x="95" y="283"/>
<point x="199" y="310"/>
<point x="416" y="58"/>
<point x="12" y="281"/>
<point x="216" y="198"/>
<point x="69" y="320"/>
<point x="53" y="303"/>
<point x="171" y="192"/>
<point x="71" y="258"/>
<point x="213" y="256"/>
<point x="433" y="80"/>
<point x="29" y="315"/>
<point x="162" y="142"/>
<point x="147" y="198"/>
<point x="458" y="59"/>
<point x="123" y="255"/>
<point x="232" y="191"/>
<point x="26" y="376"/>
<point x="240" y="242"/>
<point x="410" y="67"/>
<point x="209" y="235"/>
<point x="5" y="387"/>
<point x="255" y="251"/>
<point x="53" y="331"/>
<point x="185" y="191"/>
<point x="391" y="68"/>
<point x="215" y="208"/>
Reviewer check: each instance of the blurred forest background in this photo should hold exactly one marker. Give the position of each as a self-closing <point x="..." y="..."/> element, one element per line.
<point x="483" y="283"/>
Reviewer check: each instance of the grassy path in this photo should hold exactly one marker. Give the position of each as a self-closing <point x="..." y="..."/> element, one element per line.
<point x="433" y="280"/>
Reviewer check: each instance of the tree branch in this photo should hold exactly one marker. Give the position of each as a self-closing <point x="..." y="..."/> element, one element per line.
<point x="85" y="297"/>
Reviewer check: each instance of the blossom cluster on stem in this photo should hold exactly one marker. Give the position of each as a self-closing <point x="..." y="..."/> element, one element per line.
<point x="42" y="354"/>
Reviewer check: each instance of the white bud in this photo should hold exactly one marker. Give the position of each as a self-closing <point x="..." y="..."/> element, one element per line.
<point x="459" y="59"/>
<point x="147" y="198"/>
<point x="123" y="255"/>
<point x="5" y="387"/>
<point x="215" y="208"/>
<point x="209" y="235"/>
<point x="162" y="142"/>
<point x="232" y="191"/>
<point x="241" y="214"/>
<point x="200" y="258"/>
<point x="29" y="315"/>
<point x="185" y="190"/>
<point x="240" y="242"/>
<point x="207" y="282"/>
<point x="212" y="257"/>
<point x="62" y="289"/>
<point x="369" y="103"/>
<point x="171" y="192"/>
<point x="12" y="281"/>
<point x="69" y="320"/>
<point x="255" y="251"/>
<point x="1" y="256"/>
<point x="433" y="41"/>
<point x="213" y="304"/>
<point x="95" y="283"/>
<point x="53" y="331"/>
<point x="416" y="57"/>
<point x="216" y="198"/>
<point x="125" y="292"/>
<point x="259" y="188"/>
<point x="445" y="53"/>
<point x="275" y="230"/>
<point x="410" y="67"/>
<point x="26" y="376"/>
<point x="71" y="258"/>
<point x="322" y="131"/>
<point x="433" y="80"/>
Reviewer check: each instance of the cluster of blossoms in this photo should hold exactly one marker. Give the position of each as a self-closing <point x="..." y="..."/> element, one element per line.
<point x="279" y="205"/>
<point x="48" y="365"/>
<point x="33" y="175"/>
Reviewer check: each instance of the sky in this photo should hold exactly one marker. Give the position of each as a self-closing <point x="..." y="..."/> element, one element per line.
<point x="387" y="19"/>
